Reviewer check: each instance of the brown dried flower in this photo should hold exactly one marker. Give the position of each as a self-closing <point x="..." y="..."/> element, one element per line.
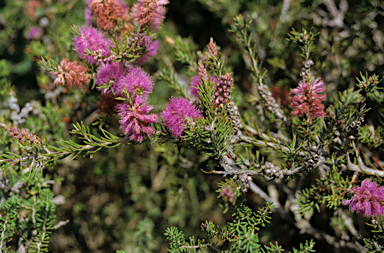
<point x="108" y="13"/>
<point x="30" y="8"/>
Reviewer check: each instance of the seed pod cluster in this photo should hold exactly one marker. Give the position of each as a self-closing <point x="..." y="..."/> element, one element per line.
<point x="234" y="117"/>
<point x="354" y="127"/>
<point x="270" y="102"/>
<point x="245" y="181"/>
<point x="273" y="171"/>
<point x="306" y="70"/>
<point x="312" y="158"/>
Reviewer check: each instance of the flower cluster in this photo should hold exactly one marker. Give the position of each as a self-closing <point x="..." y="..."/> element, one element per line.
<point x="175" y="115"/>
<point x="70" y="73"/>
<point x="368" y="199"/>
<point x="116" y="74"/>
<point x="94" y="40"/>
<point x="133" y="114"/>
<point x="307" y="99"/>
<point x="150" y="12"/>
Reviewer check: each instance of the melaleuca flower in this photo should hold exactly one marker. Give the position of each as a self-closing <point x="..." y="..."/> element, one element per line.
<point x="108" y="13"/>
<point x="151" y="48"/>
<point x="34" y="33"/>
<point x="70" y="73"/>
<point x="368" y="199"/>
<point x="175" y="115"/>
<point x="135" y="80"/>
<point x="110" y="73"/>
<point x="307" y="99"/>
<point x="94" y="40"/>
<point x="150" y="12"/>
<point x="196" y="82"/>
<point x="134" y="119"/>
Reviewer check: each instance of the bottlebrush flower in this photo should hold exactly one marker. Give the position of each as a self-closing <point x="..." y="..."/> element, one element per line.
<point x="134" y="119"/>
<point x="368" y="199"/>
<point x="94" y="40"/>
<point x="70" y="73"/>
<point x="175" y="115"/>
<point x="151" y="48"/>
<point x="110" y="73"/>
<point x="307" y="99"/>
<point x="150" y="12"/>
<point x="136" y="78"/>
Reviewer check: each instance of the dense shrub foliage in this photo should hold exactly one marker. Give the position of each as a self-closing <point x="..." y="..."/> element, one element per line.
<point x="191" y="126"/>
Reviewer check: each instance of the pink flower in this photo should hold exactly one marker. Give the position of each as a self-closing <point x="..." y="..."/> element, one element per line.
<point x="135" y="119"/>
<point x="150" y="12"/>
<point x="110" y="73"/>
<point x="136" y="79"/>
<point x="175" y="115"/>
<point x="307" y="99"/>
<point x="368" y="199"/>
<point x="34" y="33"/>
<point x="94" y="40"/>
<point x="150" y="47"/>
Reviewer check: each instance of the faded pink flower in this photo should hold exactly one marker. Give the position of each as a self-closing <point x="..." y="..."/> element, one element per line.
<point x="94" y="40"/>
<point x="175" y="115"/>
<point x="108" y="13"/>
<point x="368" y="199"/>
<point x="150" y="47"/>
<point x="307" y="99"/>
<point x="70" y="73"/>
<point x="227" y="194"/>
<point x="135" y="119"/>
<point x="150" y="12"/>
